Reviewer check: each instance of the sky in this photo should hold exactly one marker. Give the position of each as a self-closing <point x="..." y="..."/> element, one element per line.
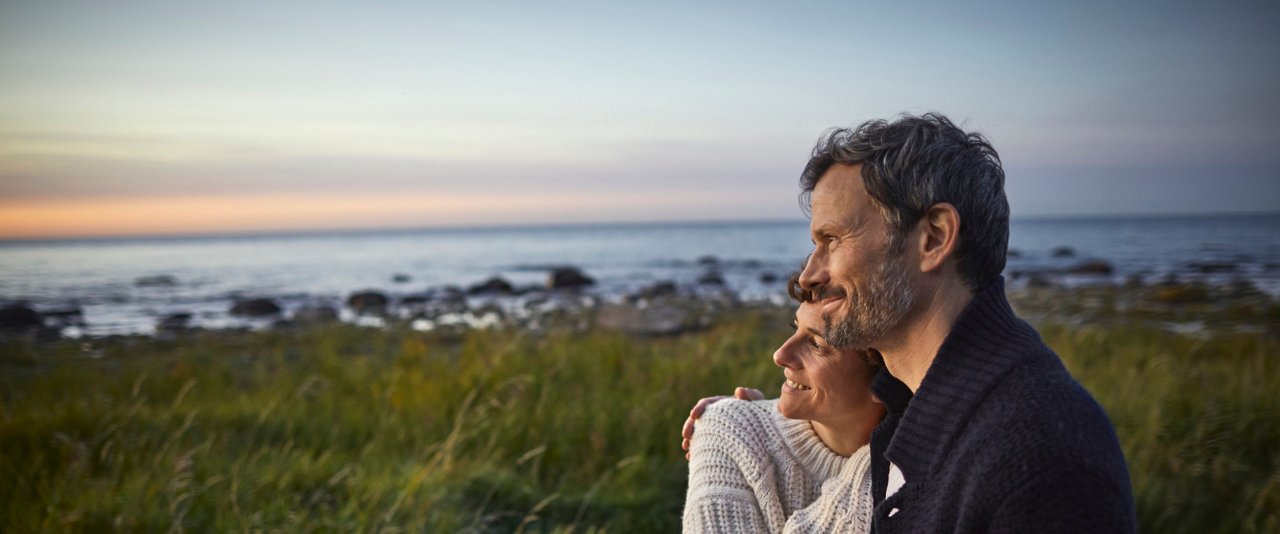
<point x="124" y="118"/>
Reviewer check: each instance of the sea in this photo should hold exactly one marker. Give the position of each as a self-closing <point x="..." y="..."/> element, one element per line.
<point x="126" y="285"/>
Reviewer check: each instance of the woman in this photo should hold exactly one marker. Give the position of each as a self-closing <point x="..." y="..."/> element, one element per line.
<point x="800" y="463"/>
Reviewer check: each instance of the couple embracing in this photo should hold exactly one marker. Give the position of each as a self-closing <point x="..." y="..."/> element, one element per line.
<point x="914" y="400"/>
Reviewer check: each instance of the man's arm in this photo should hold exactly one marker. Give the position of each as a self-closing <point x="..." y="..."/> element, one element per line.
<point x="741" y="393"/>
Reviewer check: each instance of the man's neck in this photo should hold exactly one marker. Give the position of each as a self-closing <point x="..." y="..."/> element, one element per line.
<point x="911" y="352"/>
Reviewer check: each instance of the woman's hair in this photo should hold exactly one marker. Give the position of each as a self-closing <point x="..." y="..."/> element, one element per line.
<point x="796" y="291"/>
<point x="801" y="295"/>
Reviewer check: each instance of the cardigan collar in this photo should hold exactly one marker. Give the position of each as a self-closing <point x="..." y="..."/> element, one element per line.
<point x="986" y="342"/>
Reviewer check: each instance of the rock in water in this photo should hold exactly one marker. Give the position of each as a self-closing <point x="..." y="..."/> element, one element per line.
<point x="19" y="317"/>
<point x="1092" y="267"/>
<point x="257" y="307"/>
<point x="568" y="277"/>
<point x="1211" y="267"/>
<point x="493" y="285"/>
<point x="159" y="280"/>
<point x="401" y="278"/>
<point x="1063" y="252"/>
<point x="368" y="302"/>
<point x="711" y="278"/>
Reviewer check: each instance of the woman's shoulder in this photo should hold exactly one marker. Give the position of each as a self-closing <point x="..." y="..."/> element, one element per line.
<point x="739" y="418"/>
<point x="743" y="431"/>
<point x="735" y="409"/>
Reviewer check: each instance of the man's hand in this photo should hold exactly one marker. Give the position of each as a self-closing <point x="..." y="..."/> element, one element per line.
<point x="687" y="432"/>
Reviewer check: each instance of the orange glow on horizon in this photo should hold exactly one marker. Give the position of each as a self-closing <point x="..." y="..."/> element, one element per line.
<point x="48" y="218"/>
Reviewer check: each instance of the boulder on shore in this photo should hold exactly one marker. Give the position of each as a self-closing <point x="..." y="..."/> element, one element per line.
<point x="256" y="307"/>
<point x="367" y="302"/>
<point x="174" y="322"/>
<point x="655" y="320"/>
<point x="568" y="277"/>
<point x="664" y="288"/>
<point x="315" y="315"/>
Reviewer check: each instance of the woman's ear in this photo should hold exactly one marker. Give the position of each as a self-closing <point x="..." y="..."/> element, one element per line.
<point x="939" y="235"/>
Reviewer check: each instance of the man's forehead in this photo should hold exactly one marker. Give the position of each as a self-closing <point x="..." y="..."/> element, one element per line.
<point x="839" y="200"/>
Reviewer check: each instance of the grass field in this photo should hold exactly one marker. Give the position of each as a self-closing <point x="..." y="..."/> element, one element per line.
<point x="353" y="429"/>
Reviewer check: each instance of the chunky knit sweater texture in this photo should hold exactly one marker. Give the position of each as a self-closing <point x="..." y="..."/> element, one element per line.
<point x="997" y="438"/>
<point x="753" y="470"/>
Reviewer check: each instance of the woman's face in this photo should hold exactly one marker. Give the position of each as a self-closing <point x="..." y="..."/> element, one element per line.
<point x="822" y="384"/>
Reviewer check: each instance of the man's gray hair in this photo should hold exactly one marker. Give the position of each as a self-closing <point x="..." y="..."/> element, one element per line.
<point x="912" y="163"/>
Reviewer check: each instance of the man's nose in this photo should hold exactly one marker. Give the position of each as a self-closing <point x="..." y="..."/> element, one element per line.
<point x="814" y="274"/>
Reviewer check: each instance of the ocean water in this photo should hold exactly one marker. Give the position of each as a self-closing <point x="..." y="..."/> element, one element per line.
<point x="100" y="276"/>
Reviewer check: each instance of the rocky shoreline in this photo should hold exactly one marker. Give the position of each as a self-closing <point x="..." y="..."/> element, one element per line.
<point x="1204" y="294"/>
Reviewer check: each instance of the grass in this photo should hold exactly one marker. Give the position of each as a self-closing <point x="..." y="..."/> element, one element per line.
<point x="353" y="429"/>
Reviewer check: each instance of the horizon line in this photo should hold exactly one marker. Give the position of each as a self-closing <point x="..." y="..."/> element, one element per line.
<point x="329" y="231"/>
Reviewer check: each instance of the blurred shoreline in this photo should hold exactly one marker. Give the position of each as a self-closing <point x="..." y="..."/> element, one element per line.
<point x="488" y="276"/>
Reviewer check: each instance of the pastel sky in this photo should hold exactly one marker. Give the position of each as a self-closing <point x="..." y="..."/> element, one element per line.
<point x="161" y="117"/>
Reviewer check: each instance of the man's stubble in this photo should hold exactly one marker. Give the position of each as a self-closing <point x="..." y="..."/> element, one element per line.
<point x="884" y="301"/>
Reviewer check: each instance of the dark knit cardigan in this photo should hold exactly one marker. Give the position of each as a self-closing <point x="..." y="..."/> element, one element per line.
<point x="998" y="438"/>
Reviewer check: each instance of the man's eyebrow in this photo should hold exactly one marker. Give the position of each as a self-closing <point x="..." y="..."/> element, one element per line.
<point x="814" y="331"/>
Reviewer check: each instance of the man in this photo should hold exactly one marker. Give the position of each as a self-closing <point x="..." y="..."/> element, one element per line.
<point x="985" y="429"/>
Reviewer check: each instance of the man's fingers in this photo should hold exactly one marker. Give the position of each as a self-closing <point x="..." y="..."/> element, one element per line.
<point x="686" y="431"/>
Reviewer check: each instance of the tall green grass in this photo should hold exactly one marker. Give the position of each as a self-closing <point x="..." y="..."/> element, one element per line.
<point x="351" y="429"/>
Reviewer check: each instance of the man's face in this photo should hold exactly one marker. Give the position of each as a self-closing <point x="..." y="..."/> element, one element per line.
<point x="864" y="288"/>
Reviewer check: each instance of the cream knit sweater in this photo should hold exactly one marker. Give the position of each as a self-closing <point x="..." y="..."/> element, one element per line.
<point x="753" y="470"/>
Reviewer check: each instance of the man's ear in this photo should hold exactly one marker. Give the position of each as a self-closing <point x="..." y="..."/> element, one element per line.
<point x="939" y="235"/>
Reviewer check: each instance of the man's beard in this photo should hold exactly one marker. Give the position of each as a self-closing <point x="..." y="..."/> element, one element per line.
<point x="886" y="298"/>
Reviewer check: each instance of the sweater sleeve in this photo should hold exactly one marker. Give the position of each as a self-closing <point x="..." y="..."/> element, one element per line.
<point x="720" y="498"/>
<point x="845" y="503"/>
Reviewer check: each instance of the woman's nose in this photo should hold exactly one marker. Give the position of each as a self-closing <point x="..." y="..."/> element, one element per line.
<point x="783" y="357"/>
